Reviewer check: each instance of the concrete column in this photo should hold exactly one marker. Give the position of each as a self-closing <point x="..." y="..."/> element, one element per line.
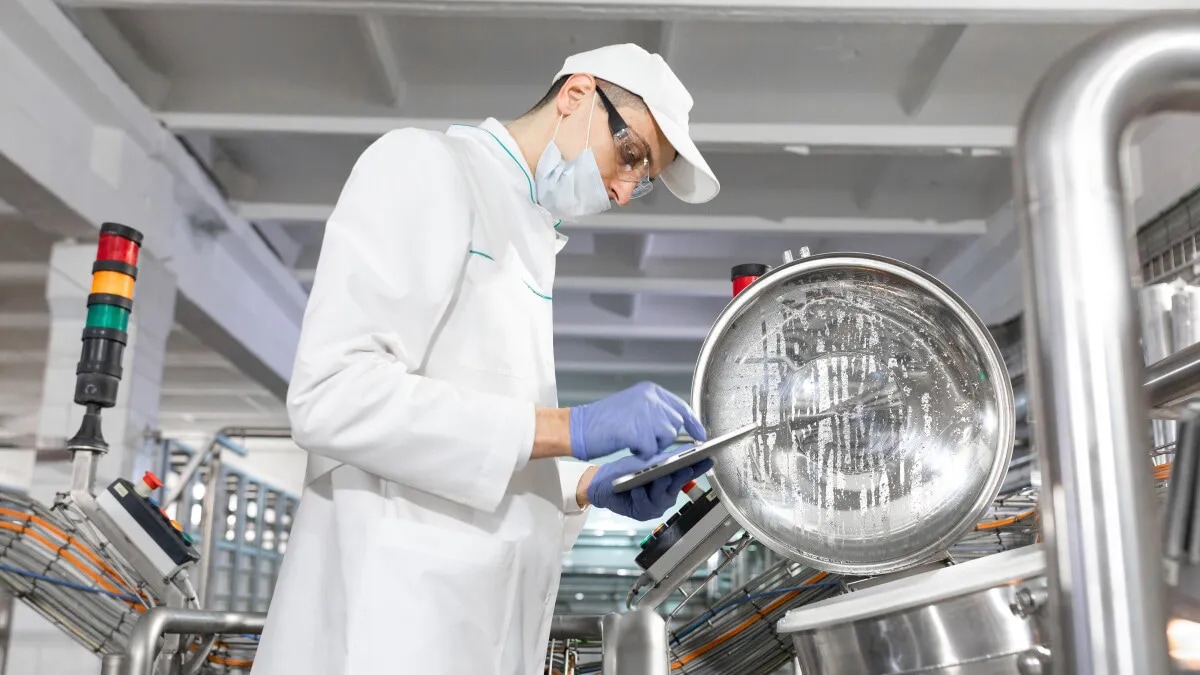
<point x="136" y="411"/>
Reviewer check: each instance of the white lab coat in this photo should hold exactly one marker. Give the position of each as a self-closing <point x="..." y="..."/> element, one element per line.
<point x="426" y="541"/>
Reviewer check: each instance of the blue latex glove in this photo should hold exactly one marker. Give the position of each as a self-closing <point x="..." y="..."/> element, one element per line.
<point x="644" y="418"/>
<point x="645" y="502"/>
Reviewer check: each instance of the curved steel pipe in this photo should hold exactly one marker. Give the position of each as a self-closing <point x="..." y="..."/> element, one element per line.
<point x="143" y="641"/>
<point x="1086" y="369"/>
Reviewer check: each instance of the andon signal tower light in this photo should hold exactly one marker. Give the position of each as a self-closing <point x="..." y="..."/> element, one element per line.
<point x="106" y="332"/>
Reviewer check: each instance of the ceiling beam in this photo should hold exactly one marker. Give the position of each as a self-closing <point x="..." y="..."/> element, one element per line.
<point x="61" y="98"/>
<point x="668" y="41"/>
<point x="869" y="181"/>
<point x="917" y="85"/>
<point x="709" y="135"/>
<point x="883" y="11"/>
<point x="618" y="284"/>
<point x="24" y="320"/>
<point x="630" y="331"/>
<point x="23" y="272"/>
<point x="151" y="85"/>
<point x="384" y="57"/>
<point x="624" y="366"/>
<point x="648" y="223"/>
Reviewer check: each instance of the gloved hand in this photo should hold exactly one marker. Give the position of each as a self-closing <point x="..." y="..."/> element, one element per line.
<point x="645" y="502"/>
<point x="644" y="418"/>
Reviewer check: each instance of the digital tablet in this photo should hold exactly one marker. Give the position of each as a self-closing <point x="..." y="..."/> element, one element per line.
<point x="678" y="461"/>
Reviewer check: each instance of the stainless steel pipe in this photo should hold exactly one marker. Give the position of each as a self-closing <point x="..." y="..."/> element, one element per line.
<point x="1175" y="379"/>
<point x="635" y="644"/>
<point x="143" y="641"/>
<point x="1086" y="367"/>
<point x="112" y="664"/>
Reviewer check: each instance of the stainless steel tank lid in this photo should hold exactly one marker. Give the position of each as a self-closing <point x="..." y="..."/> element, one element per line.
<point x="910" y="592"/>
<point x="886" y="412"/>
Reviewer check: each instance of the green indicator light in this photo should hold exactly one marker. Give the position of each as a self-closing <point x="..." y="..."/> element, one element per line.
<point x="982" y="376"/>
<point x="187" y="538"/>
<point x="643" y="544"/>
<point x="108" y="316"/>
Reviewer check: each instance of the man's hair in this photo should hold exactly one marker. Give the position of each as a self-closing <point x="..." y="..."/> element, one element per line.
<point x="619" y="96"/>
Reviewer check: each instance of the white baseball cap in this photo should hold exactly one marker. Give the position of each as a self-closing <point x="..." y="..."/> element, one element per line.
<point x="638" y="71"/>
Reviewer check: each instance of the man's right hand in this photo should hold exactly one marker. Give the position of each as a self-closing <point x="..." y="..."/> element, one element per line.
<point x="645" y="418"/>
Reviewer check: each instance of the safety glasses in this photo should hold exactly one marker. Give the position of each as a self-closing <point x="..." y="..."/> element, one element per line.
<point x="633" y="155"/>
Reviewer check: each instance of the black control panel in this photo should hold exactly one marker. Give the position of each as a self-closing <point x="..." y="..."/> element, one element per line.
<point x="152" y="520"/>
<point x="670" y="532"/>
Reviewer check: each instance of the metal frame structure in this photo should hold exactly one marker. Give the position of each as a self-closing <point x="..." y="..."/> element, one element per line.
<point x="244" y="522"/>
<point x="1086" y="371"/>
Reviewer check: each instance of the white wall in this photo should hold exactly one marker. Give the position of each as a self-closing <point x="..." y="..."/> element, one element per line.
<point x="1167" y="161"/>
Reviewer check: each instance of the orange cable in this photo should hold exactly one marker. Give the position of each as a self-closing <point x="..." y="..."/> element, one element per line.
<point x="69" y="558"/>
<point x="230" y="663"/>
<point x="1005" y="521"/>
<point x="746" y="624"/>
<point x="70" y="541"/>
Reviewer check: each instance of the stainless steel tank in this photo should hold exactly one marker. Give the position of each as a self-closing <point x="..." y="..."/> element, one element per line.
<point x="981" y="617"/>
<point x="884" y="407"/>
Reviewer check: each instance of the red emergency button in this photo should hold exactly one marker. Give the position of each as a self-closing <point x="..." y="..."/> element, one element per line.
<point x="693" y="490"/>
<point x="151" y="481"/>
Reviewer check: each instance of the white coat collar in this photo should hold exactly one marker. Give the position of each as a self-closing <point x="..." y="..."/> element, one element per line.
<point x="495" y="137"/>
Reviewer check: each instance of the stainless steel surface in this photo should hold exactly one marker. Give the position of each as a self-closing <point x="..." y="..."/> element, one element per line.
<point x="886" y="409"/>
<point x="712" y="544"/>
<point x="208" y="524"/>
<point x="1183" y="500"/>
<point x="82" y="499"/>
<point x="575" y="627"/>
<point x="143" y="642"/>
<point x="6" y="607"/>
<point x="112" y="664"/>
<point x="1175" y="379"/>
<point x="1086" y="368"/>
<point x="635" y="644"/>
<point x="688" y="457"/>
<point x="975" y="632"/>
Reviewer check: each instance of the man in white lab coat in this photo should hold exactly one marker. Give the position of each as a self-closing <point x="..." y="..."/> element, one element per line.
<point x="436" y="508"/>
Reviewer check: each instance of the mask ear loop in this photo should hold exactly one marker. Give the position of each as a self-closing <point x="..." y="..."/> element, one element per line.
<point x="587" y="141"/>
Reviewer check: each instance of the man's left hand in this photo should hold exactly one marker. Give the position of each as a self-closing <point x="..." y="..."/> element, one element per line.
<point x="645" y="502"/>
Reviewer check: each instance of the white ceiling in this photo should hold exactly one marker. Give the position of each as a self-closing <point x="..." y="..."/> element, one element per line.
<point x="886" y="136"/>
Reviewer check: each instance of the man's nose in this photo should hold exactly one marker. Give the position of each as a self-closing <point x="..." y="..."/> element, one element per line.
<point x="622" y="191"/>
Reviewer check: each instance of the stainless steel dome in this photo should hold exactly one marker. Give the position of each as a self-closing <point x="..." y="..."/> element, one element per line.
<point x="885" y="412"/>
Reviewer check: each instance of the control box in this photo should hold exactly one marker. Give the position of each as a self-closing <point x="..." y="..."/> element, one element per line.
<point x="140" y="518"/>
<point x="695" y="523"/>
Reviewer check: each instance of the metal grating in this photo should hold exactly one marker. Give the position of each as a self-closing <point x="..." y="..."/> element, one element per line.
<point x="254" y="522"/>
<point x="1168" y="243"/>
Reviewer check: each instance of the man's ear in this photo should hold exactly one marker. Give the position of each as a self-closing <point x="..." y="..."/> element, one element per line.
<point x="576" y="91"/>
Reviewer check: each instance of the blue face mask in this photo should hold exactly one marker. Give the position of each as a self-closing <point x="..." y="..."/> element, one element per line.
<point x="571" y="189"/>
